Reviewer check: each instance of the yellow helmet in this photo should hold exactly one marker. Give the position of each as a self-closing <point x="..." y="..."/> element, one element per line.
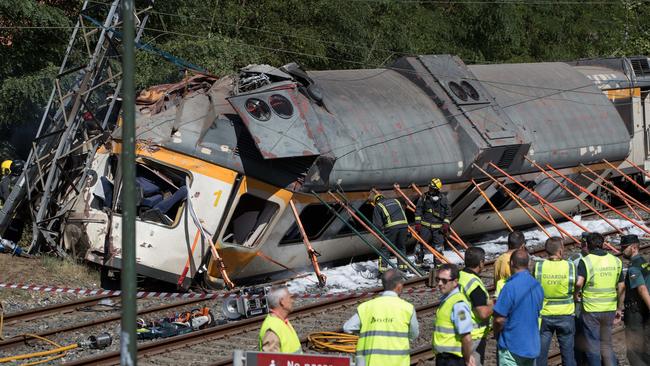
<point x="374" y="198"/>
<point x="6" y="167"/>
<point x="435" y="183"/>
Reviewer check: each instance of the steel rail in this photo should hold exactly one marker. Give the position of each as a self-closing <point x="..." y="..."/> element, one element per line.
<point x="168" y="344"/>
<point x="59" y="308"/>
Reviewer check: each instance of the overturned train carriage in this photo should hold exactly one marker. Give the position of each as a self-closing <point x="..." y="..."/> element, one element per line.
<point x="227" y="155"/>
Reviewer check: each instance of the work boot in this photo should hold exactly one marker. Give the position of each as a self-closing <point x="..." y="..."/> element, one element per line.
<point x="419" y="254"/>
<point x="382" y="267"/>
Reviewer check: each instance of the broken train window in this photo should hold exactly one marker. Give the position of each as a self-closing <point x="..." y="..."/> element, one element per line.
<point x="161" y="193"/>
<point x="250" y="220"/>
<point x="315" y="219"/>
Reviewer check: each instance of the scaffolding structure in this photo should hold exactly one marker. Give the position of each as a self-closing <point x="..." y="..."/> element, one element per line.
<point x="82" y="110"/>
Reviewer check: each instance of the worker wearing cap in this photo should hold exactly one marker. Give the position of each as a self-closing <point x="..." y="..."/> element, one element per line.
<point x="389" y="217"/>
<point x="600" y="281"/>
<point x="637" y="303"/>
<point x="276" y="333"/>
<point x="557" y="277"/>
<point x="452" y="332"/>
<point x="385" y="324"/>
<point x="474" y="289"/>
<point x="432" y="218"/>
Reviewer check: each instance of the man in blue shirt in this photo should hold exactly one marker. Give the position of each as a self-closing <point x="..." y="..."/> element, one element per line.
<point x="516" y="315"/>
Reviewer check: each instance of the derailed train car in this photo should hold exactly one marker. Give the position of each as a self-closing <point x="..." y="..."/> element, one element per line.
<point x="227" y="155"/>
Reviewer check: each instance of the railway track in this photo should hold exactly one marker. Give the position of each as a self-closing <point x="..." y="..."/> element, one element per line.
<point x="223" y="334"/>
<point x="323" y="315"/>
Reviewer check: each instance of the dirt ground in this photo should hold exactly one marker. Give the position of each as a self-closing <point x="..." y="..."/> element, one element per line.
<point x="43" y="270"/>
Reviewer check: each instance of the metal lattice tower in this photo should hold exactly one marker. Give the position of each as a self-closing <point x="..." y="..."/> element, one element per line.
<point x="76" y="121"/>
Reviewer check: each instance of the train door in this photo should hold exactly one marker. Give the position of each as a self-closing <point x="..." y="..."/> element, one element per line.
<point x="251" y="216"/>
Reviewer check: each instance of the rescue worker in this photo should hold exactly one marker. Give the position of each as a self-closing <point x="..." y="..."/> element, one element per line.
<point x="516" y="315"/>
<point x="277" y="334"/>
<point x="579" y="343"/>
<point x="600" y="281"/>
<point x="452" y="333"/>
<point x="516" y="240"/>
<point x="389" y="217"/>
<point x="8" y="181"/>
<point x="432" y="218"/>
<point x="6" y="167"/>
<point x="557" y="277"/>
<point x="637" y="303"/>
<point x="385" y="324"/>
<point x="474" y="289"/>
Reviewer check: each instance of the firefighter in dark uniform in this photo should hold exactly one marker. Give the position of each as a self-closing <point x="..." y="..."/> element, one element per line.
<point x="10" y="179"/>
<point x="637" y="303"/>
<point x="389" y="217"/>
<point x="17" y="224"/>
<point x="432" y="218"/>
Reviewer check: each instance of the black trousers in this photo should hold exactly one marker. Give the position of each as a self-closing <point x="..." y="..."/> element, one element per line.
<point x="447" y="359"/>
<point x="637" y="338"/>
<point x="397" y="236"/>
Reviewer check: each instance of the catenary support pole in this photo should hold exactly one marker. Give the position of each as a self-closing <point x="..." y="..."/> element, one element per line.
<point x="128" y="341"/>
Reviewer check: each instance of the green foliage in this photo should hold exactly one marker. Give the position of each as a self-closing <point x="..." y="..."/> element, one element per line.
<point x="224" y="35"/>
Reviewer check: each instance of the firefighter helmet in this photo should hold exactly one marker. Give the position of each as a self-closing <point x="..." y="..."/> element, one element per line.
<point x="374" y="198"/>
<point x="435" y="183"/>
<point x="6" y="167"/>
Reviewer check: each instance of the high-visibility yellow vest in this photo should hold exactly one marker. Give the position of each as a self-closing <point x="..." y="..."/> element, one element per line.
<point x="289" y="341"/>
<point x="599" y="291"/>
<point x="383" y="338"/>
<point x="389" y="220"/>
<point x="468" y="282"/>
<point x="558" y="279"/>
<point x="499" y="286"/>
<point x="445" y="339"/>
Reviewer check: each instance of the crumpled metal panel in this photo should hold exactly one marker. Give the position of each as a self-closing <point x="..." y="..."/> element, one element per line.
<point x="279" y="137"/>
<point x="571" y="120"/>
<point x="385" y="129"/>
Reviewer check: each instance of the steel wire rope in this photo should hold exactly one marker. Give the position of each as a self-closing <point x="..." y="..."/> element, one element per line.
<point x="386" y="68"/>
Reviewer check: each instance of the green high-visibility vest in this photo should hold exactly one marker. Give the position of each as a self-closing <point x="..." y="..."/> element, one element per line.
<point x="445" y="338"/>
<point x="468" y="282"/>
<point x="383" y="338"/>
<point x="289" y="341"/>
<point x="599" y="291"/>
<point x="499" y="287"/>
<point x="389" y="220"/>
<point x="558" y="279"/>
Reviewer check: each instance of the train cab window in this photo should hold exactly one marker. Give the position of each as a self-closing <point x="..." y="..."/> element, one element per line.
<point x="250" y="220"/>
<point x="161" y="193"/>
<point x="366" y="209"/>
<point x="315" y="219"/>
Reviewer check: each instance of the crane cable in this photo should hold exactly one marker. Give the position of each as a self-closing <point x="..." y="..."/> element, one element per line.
<point x="333" y="342"/>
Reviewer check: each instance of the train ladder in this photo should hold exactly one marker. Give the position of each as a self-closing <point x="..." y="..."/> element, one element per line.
<point x="354" y="230"/>
<point x="313" y="255"/>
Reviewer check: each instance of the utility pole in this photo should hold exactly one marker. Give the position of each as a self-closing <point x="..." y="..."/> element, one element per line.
<point x="129" y="346"/>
